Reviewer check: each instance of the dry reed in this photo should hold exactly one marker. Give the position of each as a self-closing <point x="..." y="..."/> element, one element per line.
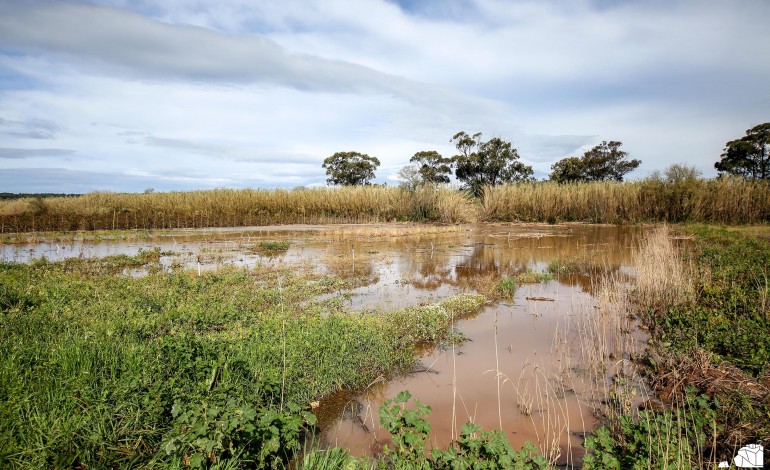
<point x="724" y="200"/>
<point x="662" y="276"/>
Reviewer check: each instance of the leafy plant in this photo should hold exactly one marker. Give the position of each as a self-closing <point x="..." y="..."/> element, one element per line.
<point x="474" y="449"/>
<point x="213" y="432"/>
<point x="506" y="287"/>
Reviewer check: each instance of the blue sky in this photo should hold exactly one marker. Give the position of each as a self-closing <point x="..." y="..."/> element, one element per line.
<point x="125" y="95"/>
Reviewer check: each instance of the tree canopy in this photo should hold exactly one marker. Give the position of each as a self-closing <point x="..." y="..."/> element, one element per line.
<point x="749" y="156"/>
<point x="604" y="162"/>
<point x="350" y="168"/>
<point x="433" y="168"/>
<point x="568" y="170"/>
<point x="491" y="163"/>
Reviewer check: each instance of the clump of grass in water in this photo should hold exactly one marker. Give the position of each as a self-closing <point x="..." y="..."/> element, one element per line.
<point x="273" y="247"/>
<point x="531" y="277"/>
<point x="561" y="266"/>
<point x="506" y="287"/>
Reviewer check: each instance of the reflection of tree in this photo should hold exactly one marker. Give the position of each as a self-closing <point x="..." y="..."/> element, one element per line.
<point x="601" y="250"/>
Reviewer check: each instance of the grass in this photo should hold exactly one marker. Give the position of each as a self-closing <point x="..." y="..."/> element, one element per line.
<point x="101" y="369"/>
<point x="724" y="200"/>
<point x="708" y="362"/>
<point x="273" y="247"/>
<point x="505" y="287"/>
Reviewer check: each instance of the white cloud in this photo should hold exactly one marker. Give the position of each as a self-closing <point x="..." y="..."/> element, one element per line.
<point x="236" y="92"/>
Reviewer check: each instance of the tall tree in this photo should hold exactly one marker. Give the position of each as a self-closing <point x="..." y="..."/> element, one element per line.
<point x="491" y="163"/>
<point x="568" y="170"/>
<point x="433" y="168"/>
<point x="350" y="168"/>
<point x="607" y="162"/>
<point x="749" y="156"/>
<point x="604" y="162"/>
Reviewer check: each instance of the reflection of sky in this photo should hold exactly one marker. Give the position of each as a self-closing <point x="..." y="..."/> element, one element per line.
<point x="408" y="270"/>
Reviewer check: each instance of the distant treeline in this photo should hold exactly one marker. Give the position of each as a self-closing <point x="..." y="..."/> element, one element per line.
<point x="4" y="196"/>
<point x="722" y="200"/>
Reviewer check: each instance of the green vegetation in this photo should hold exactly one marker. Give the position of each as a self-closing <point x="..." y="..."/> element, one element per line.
<point x="505" y="287"/>
<point x="100" y="369"/>
<point x="474" y="448"/>
<point x="749" y="156"/>
<point x="432" y="167"/>
<point x="604" y="162"/>
<point x="350" y="168"/>
<point x="272" y="247"/>
<point x="480" y="164"/>
<point x="731" y="317"/>
<point x="561" y="266"/>
<point x="708" y="361"/>
<point x="531" y="277"/>
<point x="669" y="439"/>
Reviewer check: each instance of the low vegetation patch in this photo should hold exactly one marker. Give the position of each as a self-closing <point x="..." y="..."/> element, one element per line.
<point x="273" y="247"/>
<point x="101" y="369"/>
<point x="474" y="448"/>
<point x="709" y="354"/>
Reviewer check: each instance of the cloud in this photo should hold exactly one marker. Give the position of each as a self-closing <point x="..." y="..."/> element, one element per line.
<point x="20" y="154"/>
<point x="122" y="42"/>
<point x="242" y="93"/>
<point x="29" y="129"/>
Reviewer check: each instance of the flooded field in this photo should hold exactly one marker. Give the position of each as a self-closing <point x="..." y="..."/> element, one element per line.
<point x="529" y="363"/>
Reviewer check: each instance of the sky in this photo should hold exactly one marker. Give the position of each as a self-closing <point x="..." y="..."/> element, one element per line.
<point x="127" y="95"/>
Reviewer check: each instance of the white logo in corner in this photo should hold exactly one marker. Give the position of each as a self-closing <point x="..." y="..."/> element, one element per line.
<point x="750" y="456"/>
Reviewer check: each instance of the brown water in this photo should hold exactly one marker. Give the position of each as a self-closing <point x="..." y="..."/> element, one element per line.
<point x="523" y="367"/>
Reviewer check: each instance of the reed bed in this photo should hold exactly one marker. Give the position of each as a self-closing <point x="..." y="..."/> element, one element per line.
<point x="663" y="277"/>
<point x="724" y="200"/>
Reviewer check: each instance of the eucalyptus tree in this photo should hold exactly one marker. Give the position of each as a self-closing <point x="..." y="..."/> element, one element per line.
<point x="350" y="168"/>
<point x="481" y="163"/>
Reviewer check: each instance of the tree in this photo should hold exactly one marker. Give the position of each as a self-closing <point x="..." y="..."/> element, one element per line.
<point x="681" y="172"/>
<point x="350" y="168"/>
<point x="487" y="163"/>
<point x="410" y="177"/>
<point x="604" y="162"/>
<point x="749" y="156"/>
<point x="568" y="170"/>
<point x="607" y="162"/>
<point x="433" y="168"/>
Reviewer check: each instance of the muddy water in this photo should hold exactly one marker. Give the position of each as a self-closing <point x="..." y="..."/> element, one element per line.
<point x="522" y="368"/>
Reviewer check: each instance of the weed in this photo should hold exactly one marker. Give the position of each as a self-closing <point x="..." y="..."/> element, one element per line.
<point x="272" y="247"/>
<point x="102" y="369"/>
<point x="506" y="287"/>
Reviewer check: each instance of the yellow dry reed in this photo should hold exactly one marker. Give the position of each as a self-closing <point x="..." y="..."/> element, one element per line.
<point x="724" y="200"/>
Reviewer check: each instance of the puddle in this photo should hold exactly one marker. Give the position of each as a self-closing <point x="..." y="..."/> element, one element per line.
<point x="521" y="368"/>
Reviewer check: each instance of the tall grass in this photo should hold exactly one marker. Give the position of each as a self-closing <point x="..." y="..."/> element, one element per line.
<point x="663" y="279"/>
<point x="725" y="200"/>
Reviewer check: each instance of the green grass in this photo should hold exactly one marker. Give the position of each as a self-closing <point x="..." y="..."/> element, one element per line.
<point x="274" y="246"/>
<point x="731" y="318"/>
<point x="506" y="287"/>
<point x="100" y="369"/>
<point x="531" y="277"/>
<point x="561" y="266"/>
<point x="709" y="360"/>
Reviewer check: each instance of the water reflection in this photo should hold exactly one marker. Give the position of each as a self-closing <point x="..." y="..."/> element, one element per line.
<point x="544" y="395"/>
